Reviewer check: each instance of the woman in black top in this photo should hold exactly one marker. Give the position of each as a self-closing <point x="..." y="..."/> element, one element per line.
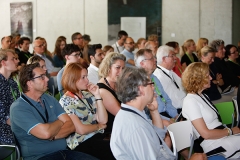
<point x="188" y="55"/>
<point x="109" y="70"/>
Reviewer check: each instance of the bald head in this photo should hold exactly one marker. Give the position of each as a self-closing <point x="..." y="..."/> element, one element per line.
<point x="6" y="42"/>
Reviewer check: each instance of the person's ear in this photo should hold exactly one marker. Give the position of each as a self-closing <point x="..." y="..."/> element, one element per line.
<point x="141" y="91"/>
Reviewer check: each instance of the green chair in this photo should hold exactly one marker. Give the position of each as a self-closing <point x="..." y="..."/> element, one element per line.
<point x="226" y="111"/>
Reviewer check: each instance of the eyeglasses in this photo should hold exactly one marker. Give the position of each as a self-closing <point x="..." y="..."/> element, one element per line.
<point x="150" y="59"/>
<point x="150" y="83"/>
<point x="42" y="76"/>
<point x="130" y="43"/>
<point x="78" y="54"/>
<point x="173" y="55"/>
<point x="42" y="45"/>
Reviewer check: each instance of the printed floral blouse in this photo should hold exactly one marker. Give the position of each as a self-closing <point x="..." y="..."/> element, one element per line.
<point x="8" y="94"/>
<point x="85" y="110"/>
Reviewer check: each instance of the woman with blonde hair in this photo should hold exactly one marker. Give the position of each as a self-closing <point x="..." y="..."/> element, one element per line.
<point x="188" y="55"/>
<point x="207" y="55"/>
<point x="83" y="103"/>
<point x="202" y="42"/>
<point x="109" y="70"/>
<point x="204" y="116"/>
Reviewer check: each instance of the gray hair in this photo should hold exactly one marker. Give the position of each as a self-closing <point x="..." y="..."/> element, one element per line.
<point x="139" y="56"/>
<point x="128" y="82"/>
<point x="216" y="44"/>
<point x="163" y="51"/>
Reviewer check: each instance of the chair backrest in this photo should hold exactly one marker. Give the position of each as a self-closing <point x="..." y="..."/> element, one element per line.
<point x="235" y="104"/>
<point x="9" y="150"/>
<point x="181" y="134"/>
<point x="226" y="111"/>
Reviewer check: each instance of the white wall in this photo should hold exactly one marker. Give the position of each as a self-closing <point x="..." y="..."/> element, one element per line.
<point x="53" y="18"/>
<point x="192" y="19"/>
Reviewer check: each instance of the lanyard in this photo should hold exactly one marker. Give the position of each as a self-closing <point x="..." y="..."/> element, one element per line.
<point x="169" y="77"/>
<point x="158" y="92"/>
<point x="90" y="106"/>
<point x="27" y="56"/>
<point x="117" y="47"/>
<point x="13" y="92"/>
<point x="46" y="113"/>
<point x="191" y="58"/>
<point x="212" y="106"/>
<point x="129" y="110"/>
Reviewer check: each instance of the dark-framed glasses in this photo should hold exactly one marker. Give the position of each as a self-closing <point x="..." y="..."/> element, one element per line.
<point x="150" y="83"/>
<point x="42" y="76"/>
<point x="77" y="54"/>
<point x="41" y="45"/>
<point x="148" y="59"/>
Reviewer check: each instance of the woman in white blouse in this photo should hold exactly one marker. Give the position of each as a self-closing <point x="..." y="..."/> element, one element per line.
<point x="205" y="118"/>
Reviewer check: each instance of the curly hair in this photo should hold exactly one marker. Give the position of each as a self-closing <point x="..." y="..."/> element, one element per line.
<point x="195" y="76"/>
<point x="107" y="63"/>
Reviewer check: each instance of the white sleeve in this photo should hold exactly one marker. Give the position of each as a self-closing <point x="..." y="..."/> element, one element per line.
<point x="191" y="109"/>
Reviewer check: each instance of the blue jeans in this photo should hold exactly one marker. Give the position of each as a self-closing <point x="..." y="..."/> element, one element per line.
<point x="67" y="155"/>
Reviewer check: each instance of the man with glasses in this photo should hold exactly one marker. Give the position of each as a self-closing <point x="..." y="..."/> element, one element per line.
<point x="95" y="56"/>
<point x="171" y="82"/>
<point x="39" y="49"/>
<point x="8" y="92"/>
<point x="38" y="120"/>
<point x="145" y="59"/>
<point x="6" y="42"/>
<point x="128" y="51"/>
<point x="72" y="54"/>
<point x="77" y="39"/>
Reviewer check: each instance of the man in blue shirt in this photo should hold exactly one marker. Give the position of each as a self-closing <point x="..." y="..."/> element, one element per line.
<point x="38" y="120"/>
<point x="145" y="59"/>
<point x="128" y="52"/>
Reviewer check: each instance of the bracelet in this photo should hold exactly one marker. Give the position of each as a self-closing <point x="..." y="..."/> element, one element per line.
<point x="99" y="99"/>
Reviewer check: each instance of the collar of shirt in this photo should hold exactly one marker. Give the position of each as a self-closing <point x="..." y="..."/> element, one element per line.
<point x="94" y="67"/>
<point x="40" y="55"/>
<point x="142" y="113"/>
<point x="35" y="103"/>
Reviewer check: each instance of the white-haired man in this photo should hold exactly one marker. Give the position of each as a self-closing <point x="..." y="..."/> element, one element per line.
<point x="171" y="82"/>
